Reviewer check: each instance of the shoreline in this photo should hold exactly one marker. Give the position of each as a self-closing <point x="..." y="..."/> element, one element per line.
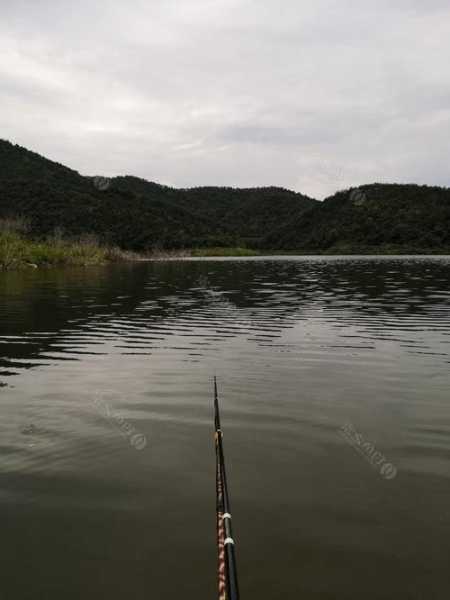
<point x="18" y="252"/>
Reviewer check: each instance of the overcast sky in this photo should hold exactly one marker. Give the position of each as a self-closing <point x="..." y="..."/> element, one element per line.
<point x="314" y="96"/>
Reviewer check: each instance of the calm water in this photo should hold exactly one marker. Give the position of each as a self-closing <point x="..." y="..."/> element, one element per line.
<point x="107" y="463"/>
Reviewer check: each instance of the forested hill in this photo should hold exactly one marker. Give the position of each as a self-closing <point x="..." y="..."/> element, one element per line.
<point x="134" y="213"/>
<point x="373" y="218"/>
<point x="139" y="215"/>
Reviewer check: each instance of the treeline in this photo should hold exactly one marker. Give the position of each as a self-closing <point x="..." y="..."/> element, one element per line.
<point x="377" y="218"/>
<point x="139" y="215"/>
<point x="136" y="214"/>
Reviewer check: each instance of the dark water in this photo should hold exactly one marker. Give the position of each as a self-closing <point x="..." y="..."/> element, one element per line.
<point x="106" y="450"/>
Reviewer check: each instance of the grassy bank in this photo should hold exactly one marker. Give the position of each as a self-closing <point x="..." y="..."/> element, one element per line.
<point x="17" y="252"/>
<point x="223" y="252"/>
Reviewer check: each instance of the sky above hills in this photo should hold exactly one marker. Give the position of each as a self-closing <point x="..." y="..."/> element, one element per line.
<point x="312" y="96"/>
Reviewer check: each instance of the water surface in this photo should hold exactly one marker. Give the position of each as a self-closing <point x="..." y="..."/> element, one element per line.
<point x="107" y="459"/>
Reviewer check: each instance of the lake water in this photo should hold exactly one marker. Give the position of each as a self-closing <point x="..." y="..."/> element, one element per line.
<point x="334" y="382"/>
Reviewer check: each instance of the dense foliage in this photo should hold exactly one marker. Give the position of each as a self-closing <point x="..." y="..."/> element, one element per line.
<point x="133" y="213"/>
<point x="140" y="215"/>
<point x="376" y="218"/>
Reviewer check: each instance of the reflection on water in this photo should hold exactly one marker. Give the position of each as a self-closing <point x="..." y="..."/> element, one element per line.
<point x="95" y="361"/>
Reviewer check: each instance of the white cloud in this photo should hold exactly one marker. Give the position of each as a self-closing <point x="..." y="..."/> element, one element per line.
<point x="313" y="96"/>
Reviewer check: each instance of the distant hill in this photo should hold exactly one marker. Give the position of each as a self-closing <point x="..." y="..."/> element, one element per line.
<point x="134" y="213"/>
<point x="137" y="214"/>
<point x="375" y="218"/>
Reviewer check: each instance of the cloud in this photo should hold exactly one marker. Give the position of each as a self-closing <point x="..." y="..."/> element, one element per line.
<point x="312" y="96"/>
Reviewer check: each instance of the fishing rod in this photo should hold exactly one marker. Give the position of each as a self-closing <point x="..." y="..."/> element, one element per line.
<point x="227" y="572"/>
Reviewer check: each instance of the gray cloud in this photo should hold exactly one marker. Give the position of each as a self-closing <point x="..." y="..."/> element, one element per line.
<point x="312" y="96"/>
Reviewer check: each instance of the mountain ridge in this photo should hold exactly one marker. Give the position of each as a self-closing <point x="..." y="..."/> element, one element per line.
<point x="137" y="214"/>
<point x="395" y="217"/>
